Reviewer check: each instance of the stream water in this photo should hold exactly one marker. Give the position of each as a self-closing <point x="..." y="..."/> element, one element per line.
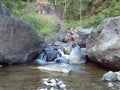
<point x="29" y="77"/>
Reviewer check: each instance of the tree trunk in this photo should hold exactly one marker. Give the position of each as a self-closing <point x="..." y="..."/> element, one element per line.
<point x="65" y="7"/>
<point x="81" y="12"/>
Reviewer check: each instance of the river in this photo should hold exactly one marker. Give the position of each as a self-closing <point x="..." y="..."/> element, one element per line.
<point x="29" y="77"/>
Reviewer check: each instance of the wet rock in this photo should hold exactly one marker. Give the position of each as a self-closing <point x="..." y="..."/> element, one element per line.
<point x="109" y="76"/>
<point x="45" y="79"/>
<point x="118" y="75"/>
<point x="67" y="49"/>
<point x="59" y="82"/>
<point x="84" y="51"/>
<point x="83" y="35"/>
<point x="52" y="88"/>
<point x="4" y="10"/>
<point x="51" y="55"/>
<point x="62" y="86"/>
<point x="46" y="83"/>
<point x="19" y="42"/>
<point x="64" y="68"/>
<point x="103" y="45"/>
<point x="110" y="84"/>
<point x="117" y="85"/>
<point x="61" y="60"/>
<point x="76" y="56"/>
<point x="55" y="84"/>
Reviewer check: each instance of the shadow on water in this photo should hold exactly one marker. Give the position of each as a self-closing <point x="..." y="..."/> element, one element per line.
<point x="21" y="77"/>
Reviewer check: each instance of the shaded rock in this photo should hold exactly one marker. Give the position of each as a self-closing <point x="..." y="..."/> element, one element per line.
<point x="103" y="44"/>
<point x="83" y="35"/>
<point x="52" y="55"/>
<point x="48" y="56"/>
<point x="18" y="41"/>
<point x="61" y="60"/>
<point x="4" y="10"/>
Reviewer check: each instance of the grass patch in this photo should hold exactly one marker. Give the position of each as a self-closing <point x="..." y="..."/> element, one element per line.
<point x="44" y="24"/>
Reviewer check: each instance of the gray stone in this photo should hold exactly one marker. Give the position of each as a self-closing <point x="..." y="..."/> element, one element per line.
<point x="58" y="43"/>
<point x="60" y="82"/>
<point x="45" y="79"/>
<point x="62" y="86"/>
<point x="76" y="56"/>
<point x="4" y="10"/>
<point x="19" y="42"/>
<point x="110" y="84"/>
<point x="61" y="60"/>
<point x="109" y="76"/>
<point x="103" y="45"/>
<point x="83" y="35"/>
<point x="67" y="49"/>
<point x="46" y="83"/>
<point x="52" y="88"/>
<point x="118" y="75"/>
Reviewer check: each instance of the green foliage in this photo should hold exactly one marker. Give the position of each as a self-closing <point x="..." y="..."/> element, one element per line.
<point x="44" y="24"/>
<point x="72" y="8"/>
<point x="73" y="23"/>
<point x="93" y="12"/>
<point x="17" y="7"/>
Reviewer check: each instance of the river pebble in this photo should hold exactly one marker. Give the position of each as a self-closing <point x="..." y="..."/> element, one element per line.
<point x="118" y="75"/>
<point x="53" y="84"/>
<point x="113" y="79"/>
<point x="62" y="86"/>
<point x="109" y="76"/>
<point x="110" y="84"/>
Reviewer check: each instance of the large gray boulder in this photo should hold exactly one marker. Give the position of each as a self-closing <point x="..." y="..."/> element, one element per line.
<point x="18" y="41"/>
<point x="103" y="45"/>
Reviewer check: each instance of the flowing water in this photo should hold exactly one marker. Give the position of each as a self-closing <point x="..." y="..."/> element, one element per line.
<point x="29" y="77"/>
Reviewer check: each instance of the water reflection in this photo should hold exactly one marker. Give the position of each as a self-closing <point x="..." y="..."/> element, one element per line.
<point x="84" y="77"/>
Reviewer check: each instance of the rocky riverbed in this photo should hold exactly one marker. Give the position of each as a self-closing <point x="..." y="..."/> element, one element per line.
<point x="29" y="77"/>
